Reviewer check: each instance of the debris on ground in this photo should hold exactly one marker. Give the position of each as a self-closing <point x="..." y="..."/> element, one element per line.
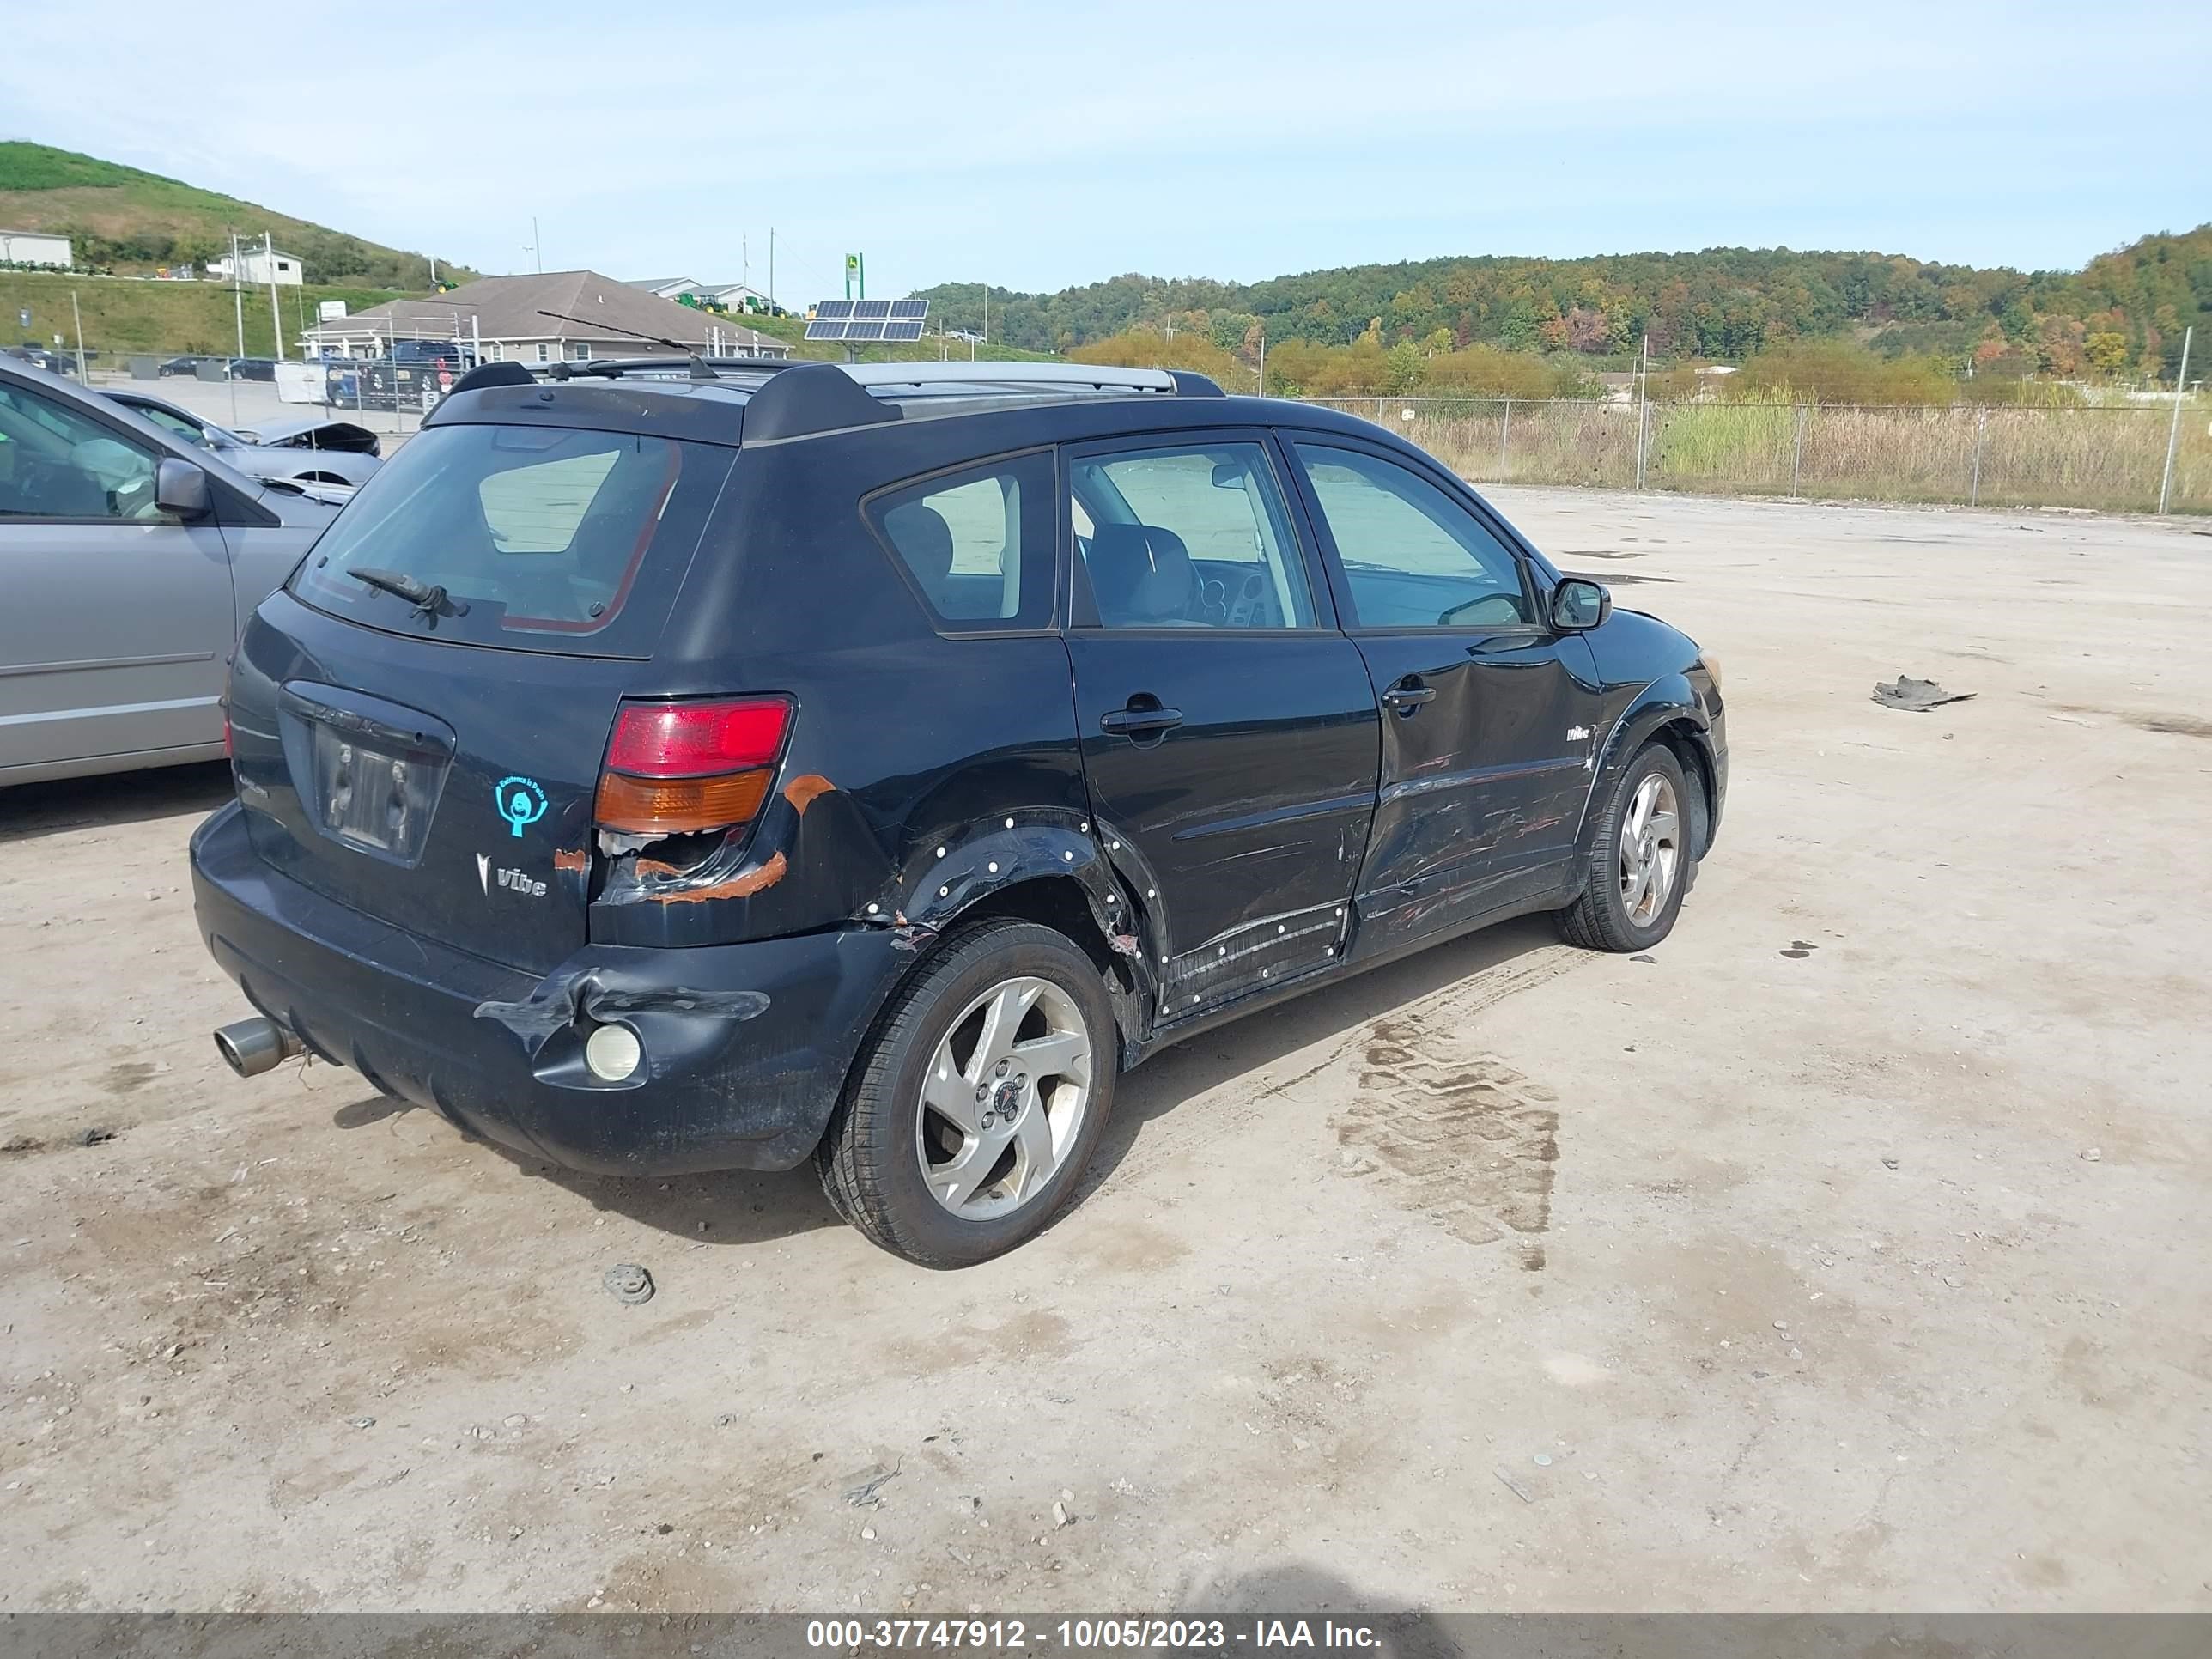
<point x="1799" y="949"/>
<point x="2092" y="1155"/>
<point x="628" y="1282"/>
<point x="1515" y="1486"/>
<point x="1915" y="697"/>
<point x="862" y="1489"/>
<point x="1061" y="1517"/>
<point x="95" y="1137"/>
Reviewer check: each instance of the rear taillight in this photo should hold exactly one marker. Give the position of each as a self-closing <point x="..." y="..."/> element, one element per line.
<point x="228" y="751"/>
<point x="680" y="768"/>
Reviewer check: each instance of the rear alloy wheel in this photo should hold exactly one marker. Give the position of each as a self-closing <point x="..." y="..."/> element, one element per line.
<point x="1005" y="1099"/>
<point x="1639" y="863"/>
<point x="979" y="1099"/>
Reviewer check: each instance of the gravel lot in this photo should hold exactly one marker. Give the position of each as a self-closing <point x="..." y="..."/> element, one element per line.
<point x="1850" y="1255"/>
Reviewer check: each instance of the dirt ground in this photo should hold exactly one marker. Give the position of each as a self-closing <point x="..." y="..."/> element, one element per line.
<point x="1852" y="1254"/>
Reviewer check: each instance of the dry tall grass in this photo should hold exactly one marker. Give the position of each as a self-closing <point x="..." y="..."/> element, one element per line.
<point x="2105" y="458"/>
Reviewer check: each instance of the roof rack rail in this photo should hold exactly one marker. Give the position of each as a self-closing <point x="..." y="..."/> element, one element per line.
<point x="964" y="378"/>
<point x="968" y="378"/>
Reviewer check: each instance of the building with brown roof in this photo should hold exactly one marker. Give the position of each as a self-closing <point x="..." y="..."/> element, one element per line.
<point x="593" y="316"/>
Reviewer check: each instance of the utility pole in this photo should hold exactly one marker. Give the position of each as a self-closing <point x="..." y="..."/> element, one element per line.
<point x="986" y="313"/>
<point x="1263" y="362"/>
<point x="2173" y="430"/>
<point x="276" y="314"/>
<point x="1642" y="405"/>
<point x="79" y="315"/>
<point x="771" y="267"/>
<point x="237" y="294"/>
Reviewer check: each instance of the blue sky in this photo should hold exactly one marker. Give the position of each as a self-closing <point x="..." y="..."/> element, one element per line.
<point x="1042" y="144"/>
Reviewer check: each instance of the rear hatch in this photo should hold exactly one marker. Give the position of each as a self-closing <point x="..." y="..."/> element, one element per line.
<point x="419" y="720"/>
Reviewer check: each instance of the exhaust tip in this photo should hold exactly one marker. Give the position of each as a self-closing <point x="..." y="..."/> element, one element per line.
<point x="250" y="1046"/>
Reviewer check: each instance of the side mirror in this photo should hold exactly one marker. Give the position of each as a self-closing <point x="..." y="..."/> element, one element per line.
<point x="1579" y="605"/>
<point x="180" y="489"/>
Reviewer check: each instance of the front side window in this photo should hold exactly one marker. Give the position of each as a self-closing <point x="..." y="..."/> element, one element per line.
<point x="57" y="464"/>
<point x="1412" y="557"/>
<point x="171" y="421"/>
<point x="977" y="543"/>
<point x="1187" y="536"/>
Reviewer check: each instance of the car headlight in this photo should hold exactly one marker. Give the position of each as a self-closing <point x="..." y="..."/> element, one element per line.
<point x="1712" y="667"/>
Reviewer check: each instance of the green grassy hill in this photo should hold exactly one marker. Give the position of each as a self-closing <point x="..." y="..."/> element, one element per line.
<point x="121" y="219"/>
<point x="124" y="315"/>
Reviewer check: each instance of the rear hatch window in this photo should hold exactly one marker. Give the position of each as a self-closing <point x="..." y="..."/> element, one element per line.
<point x="532" y="537"/>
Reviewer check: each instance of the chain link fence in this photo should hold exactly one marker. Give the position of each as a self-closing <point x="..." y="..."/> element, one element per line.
<point x="2109" y="459"/>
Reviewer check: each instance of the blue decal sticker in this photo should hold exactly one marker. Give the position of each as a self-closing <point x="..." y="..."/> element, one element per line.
<point x="519" y="801"/>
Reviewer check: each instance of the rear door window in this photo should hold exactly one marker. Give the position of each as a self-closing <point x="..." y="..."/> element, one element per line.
<point x="1187" y="536"/>
<point x="539" y="538"/>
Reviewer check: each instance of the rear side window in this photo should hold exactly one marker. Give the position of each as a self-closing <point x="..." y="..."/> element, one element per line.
<point x="544" y="539"/>
<point x="977" y="544"/>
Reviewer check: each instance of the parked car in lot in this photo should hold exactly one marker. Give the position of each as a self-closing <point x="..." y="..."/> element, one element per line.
<point x="187" y="365"/>
<point x="252" y="368"/>
<point x="131" y="558"/>
<point x="54" y="362"/>
<point x="317" y="450"/>
<point x="659" y="774"/>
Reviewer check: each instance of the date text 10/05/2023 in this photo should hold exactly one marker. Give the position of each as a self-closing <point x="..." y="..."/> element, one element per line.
<point x="1089" y="1635"/>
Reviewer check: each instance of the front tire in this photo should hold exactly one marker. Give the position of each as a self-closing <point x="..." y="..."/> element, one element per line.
<point x="978" y="1099"/>
<point x="1639" y="862"/>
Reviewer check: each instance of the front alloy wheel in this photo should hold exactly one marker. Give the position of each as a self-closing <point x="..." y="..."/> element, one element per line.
<point x="1651" y="850"/>
<point x="1639" y="863"/>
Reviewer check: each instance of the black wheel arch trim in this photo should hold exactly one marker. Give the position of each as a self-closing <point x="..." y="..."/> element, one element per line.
<point x="1668" y="706"/>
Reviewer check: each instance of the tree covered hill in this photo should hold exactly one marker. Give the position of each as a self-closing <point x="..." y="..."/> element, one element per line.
<point x="2123" y="313"/>
<point x="121" y="219"/>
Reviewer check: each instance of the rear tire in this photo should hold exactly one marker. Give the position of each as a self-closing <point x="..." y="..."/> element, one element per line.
<point x="1639" y="864"/>
<point x="977" y="1100"/>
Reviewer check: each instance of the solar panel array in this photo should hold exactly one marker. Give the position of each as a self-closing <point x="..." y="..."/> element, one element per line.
<point x="868" y="320"/>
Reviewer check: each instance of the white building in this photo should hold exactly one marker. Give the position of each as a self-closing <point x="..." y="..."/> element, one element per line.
<point x="34" y="247"/>
<point x="738" y="296"/>
<point x="690" y="290"/>
<point x="259" y="267"/>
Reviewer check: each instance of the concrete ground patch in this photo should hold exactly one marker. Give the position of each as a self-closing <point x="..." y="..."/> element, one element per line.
<point x="1849" y="1253"/>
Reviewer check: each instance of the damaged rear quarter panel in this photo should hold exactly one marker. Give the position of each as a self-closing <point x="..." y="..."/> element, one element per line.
<point x="903" y="740"/>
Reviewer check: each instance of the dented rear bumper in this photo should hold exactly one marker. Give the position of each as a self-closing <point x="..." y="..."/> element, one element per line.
<point x="747" y="1046"/>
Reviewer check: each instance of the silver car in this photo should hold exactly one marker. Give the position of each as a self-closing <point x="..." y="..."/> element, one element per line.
<point x="132" y="560"/>
<point x="316" y="450"/>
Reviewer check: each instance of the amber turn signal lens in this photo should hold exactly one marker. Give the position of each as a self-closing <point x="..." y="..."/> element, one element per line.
<point x="677" y="806"/>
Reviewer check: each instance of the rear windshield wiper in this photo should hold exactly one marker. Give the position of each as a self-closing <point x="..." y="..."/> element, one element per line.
<point x="429" y="599"/>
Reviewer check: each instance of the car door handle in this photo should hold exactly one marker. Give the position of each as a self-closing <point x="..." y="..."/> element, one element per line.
<point x="1406" y="698"/>
<point x="1135" y="722"/>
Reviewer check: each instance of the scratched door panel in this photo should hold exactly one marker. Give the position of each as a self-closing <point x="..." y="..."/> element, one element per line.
<point x="1483" y="782"/>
